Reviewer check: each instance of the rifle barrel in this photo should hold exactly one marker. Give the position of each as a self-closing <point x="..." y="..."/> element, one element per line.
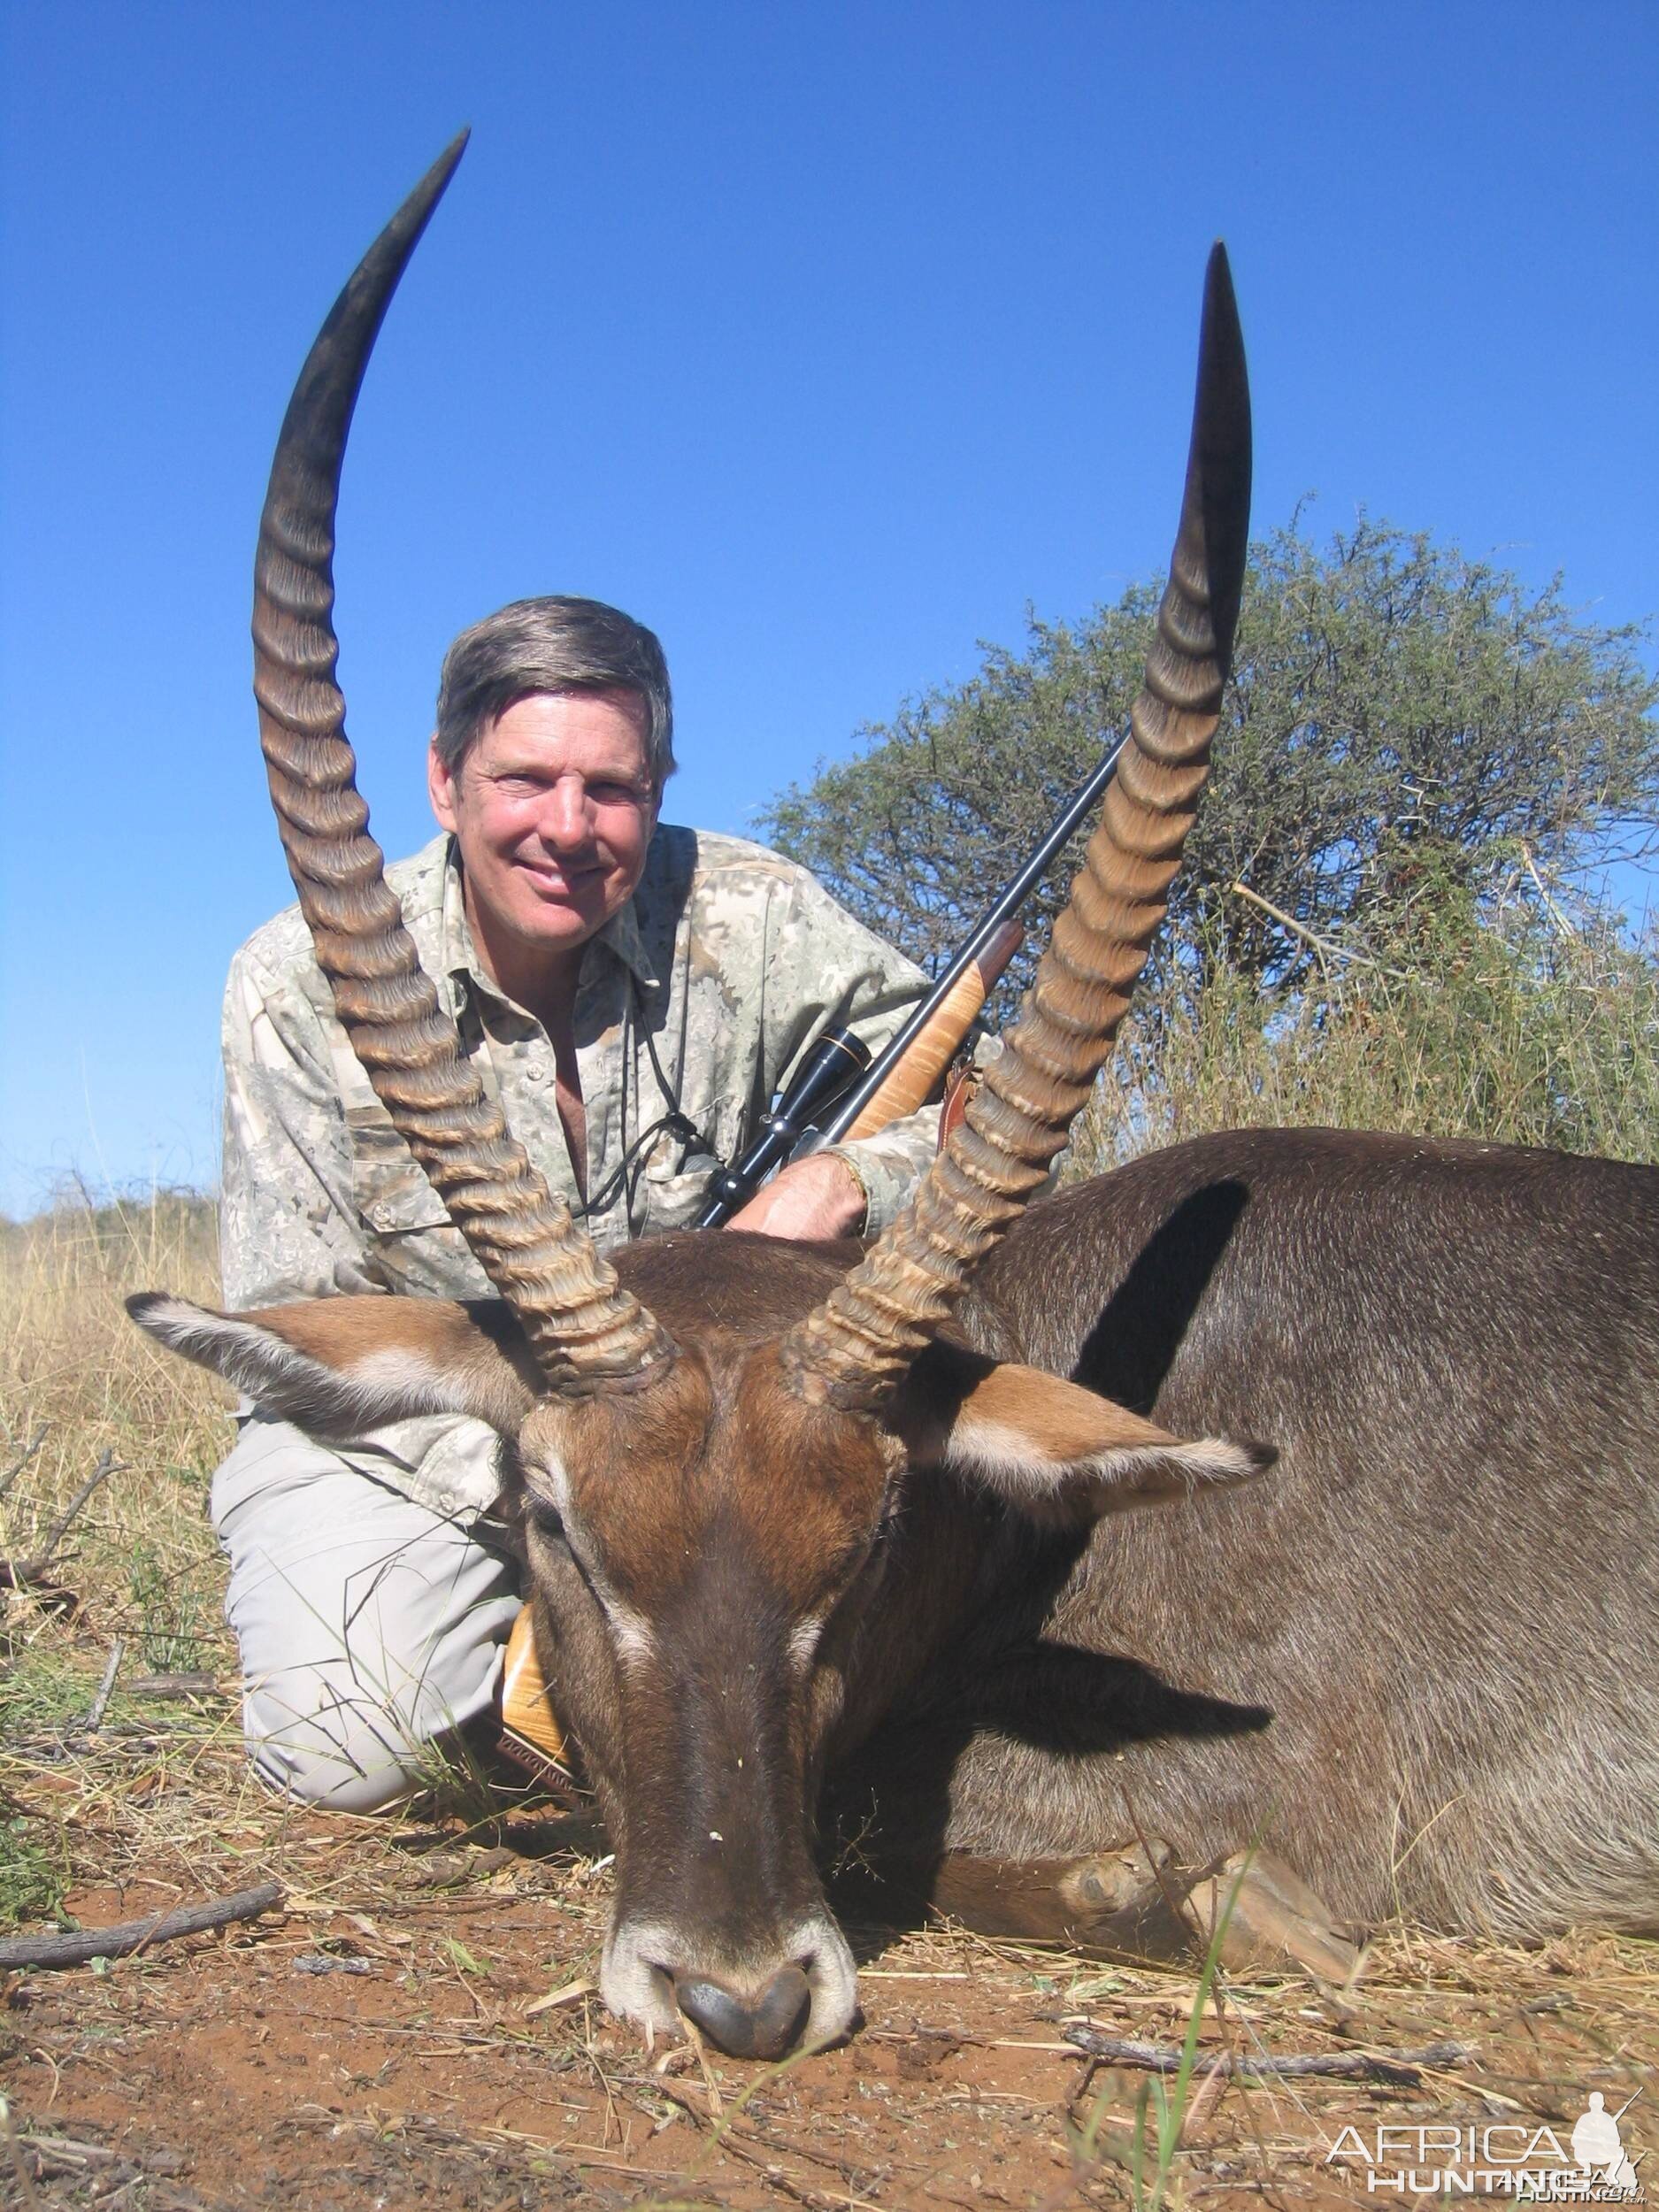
<point x="1006" y="905"/>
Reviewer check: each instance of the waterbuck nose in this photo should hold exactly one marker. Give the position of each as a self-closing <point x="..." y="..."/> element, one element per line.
<point x="765" y="2029"/>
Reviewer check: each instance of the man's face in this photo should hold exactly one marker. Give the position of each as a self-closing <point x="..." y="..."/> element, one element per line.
<point x="553" y="810"/>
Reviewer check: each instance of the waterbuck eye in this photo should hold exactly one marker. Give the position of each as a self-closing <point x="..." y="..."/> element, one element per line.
<point x="545" y="1519"/>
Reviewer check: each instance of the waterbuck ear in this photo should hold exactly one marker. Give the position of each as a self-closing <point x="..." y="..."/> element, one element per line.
<point x="336" y="1366"/>
<point x="1058" y="1452"/>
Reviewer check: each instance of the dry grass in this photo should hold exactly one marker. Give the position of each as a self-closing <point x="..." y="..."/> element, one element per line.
<point x="77" y="1381"/>
<point x="70" y="1357"/>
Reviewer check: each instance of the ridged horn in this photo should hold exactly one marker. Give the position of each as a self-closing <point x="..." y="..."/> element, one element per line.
<point x="856" y="1346"/>
<point x="586" y="1331"/>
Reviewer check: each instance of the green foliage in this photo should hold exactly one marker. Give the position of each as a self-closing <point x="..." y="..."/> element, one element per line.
<point x="1399" y="716"/>
<point x="32" y="1877"/>
<point x="168" y="1610"/>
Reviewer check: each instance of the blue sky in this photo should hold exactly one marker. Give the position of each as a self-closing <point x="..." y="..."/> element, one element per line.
<point x="824" y="338"/>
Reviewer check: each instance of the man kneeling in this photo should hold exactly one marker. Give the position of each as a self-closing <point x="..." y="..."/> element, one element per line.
<point x="633" y="993"/>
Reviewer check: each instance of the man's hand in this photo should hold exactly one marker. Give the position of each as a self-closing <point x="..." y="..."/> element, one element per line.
<point x="817" y="1197"/>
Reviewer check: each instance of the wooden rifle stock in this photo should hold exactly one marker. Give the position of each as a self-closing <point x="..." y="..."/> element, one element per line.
<point x="531" y="1735"/>
<point x="911" y="1082"/>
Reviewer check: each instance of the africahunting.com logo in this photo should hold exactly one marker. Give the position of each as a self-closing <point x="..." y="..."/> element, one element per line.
<point x="1503" y="2159"/>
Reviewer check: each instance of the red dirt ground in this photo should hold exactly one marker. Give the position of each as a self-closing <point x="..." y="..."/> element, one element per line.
<point x="377" y="2044"/>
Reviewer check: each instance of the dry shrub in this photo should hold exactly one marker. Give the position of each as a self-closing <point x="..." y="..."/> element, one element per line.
<point x="1522" y="1025"/>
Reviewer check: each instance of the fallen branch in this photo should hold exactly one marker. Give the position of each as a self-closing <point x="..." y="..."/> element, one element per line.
<point x="176" y="1685"/>
<point x="95" y="1711"/>
<point x="65" y="2152"/>
<point x="108" y="1465"/>
<point x="20" y="1575"/>
<point x="20" y="2167"/>
<point x="56" y="2155"/>
<point x="128" y="1936"/>
<point x="1400" y="2067"/>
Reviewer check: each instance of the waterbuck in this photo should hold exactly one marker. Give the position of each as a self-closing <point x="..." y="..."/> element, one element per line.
<point x="800" y="1519"/>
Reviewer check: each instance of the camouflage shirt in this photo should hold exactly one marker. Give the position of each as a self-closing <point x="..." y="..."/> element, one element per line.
<point x="698" y="998"/>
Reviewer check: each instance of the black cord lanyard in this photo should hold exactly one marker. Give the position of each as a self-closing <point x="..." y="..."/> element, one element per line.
<point x="629" y="1169"/>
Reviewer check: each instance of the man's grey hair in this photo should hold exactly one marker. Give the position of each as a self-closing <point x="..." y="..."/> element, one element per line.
<point x="553" y="645"/>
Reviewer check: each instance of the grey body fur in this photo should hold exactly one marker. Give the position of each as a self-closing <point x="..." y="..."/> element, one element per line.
<point x="1444" y="1592"/>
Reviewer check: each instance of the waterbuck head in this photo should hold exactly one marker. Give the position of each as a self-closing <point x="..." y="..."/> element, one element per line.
<point x="715" y="1434"/>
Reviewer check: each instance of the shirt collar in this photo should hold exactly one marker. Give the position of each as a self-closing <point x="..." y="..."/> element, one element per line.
<point x="620" y="936"/>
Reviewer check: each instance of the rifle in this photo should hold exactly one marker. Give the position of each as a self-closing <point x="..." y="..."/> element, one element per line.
<point x="840" y="1092"/>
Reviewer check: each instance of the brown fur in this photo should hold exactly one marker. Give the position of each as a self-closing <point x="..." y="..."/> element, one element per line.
<point x="718" y="1437"/>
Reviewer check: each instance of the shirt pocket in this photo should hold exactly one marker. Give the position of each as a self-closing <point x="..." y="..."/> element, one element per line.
<point x="670" y="1193"/>
<point x="413" y="1244"/>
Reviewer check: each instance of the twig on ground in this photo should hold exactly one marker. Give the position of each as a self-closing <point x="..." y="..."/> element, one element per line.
<point x="33" y="1573"/>
<point x="56" y="2155"/>
<point x="1209" y="2080"/>
<point x="69" y="2151"/>
<point x="176" y="1685"/>
<point x="751" y="2146"/>
<point x="26" y="2183"/>
<point x="108" y="1465"/>
<point x="24" y="1457"/>
<point x="22" y="1575"/>
<point x="1389" y="2066"/>
<point x="128" y="1936"/>
<point x="95" y="1711"/>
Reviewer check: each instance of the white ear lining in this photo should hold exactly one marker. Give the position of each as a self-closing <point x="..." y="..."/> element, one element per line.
<point x="403" y="1378"/>
<point x="248" y="1357"/>
<point x="188" y="1329"/>
<point x="380" y="1385"/>
<point x="1015" y="1466"/>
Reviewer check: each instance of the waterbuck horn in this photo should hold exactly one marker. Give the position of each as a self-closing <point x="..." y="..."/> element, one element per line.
<point x="586" y="1331"/>
<point x="857" y="1346"/>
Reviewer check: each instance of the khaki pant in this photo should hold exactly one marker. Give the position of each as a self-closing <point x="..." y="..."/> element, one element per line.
<point x="368" y="1624"/>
